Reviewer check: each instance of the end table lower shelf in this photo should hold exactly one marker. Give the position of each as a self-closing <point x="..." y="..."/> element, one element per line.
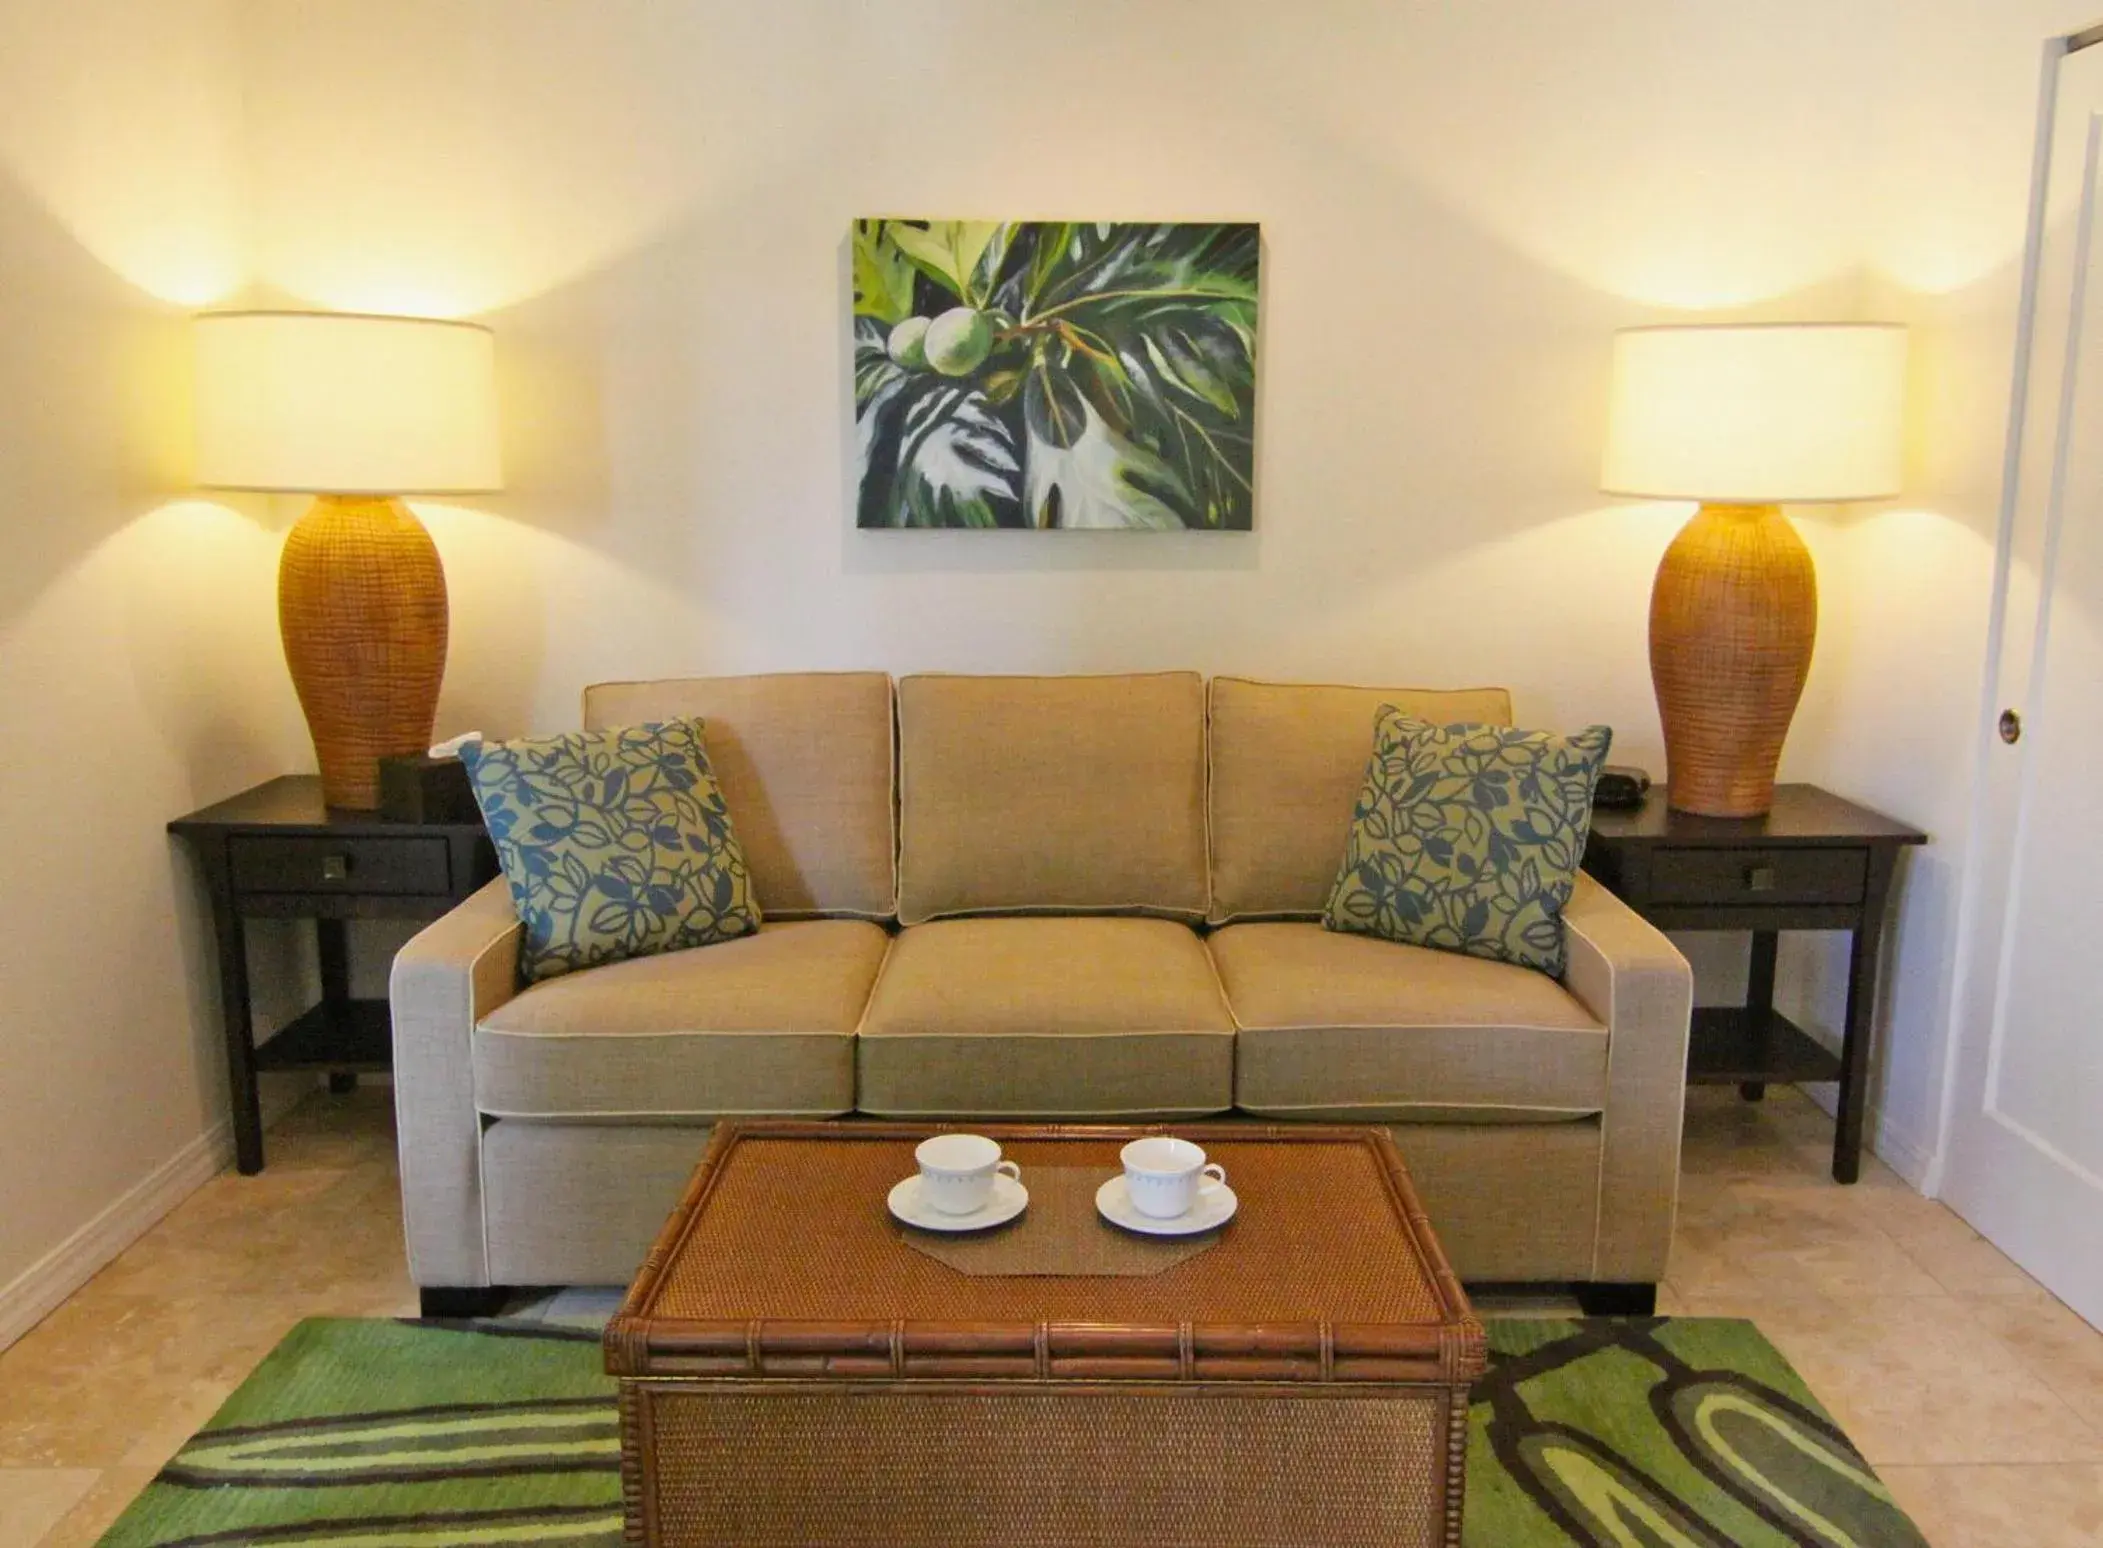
<point x="334" y="1035"/>
<point x="1751" y="1045"/>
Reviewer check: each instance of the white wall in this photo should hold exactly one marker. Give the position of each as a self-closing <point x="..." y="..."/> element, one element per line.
<point x="1460" y="204"/>
<point x="649" y="199"/>
<point x="137" y="654"/>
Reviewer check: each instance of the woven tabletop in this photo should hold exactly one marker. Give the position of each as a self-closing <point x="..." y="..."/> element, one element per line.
<point x="794" y="1227"/>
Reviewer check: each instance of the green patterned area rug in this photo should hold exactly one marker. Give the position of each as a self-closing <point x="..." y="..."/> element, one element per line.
<point x="1671" y="1433"/>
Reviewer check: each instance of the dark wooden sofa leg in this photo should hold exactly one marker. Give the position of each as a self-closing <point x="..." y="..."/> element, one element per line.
<point x="453" y="1302"/>
<point x="1615" y="1300"/>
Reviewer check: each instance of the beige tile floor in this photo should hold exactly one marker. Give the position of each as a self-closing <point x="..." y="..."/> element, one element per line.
<point x="1977" y="1396"/>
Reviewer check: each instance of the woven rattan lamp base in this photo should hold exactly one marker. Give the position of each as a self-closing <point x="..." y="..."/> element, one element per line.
<point x="1733" y="616"/>
<point x="362" y="608"/>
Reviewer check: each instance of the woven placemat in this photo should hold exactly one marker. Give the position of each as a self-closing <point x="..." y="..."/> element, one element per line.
<point x="1059" y="1234"/>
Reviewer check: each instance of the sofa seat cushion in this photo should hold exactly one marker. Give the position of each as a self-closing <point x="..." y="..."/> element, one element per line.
<point x="760" y="1025"/>
<point x="1047" y="1018"/>
<point x="1355" y="1028"/>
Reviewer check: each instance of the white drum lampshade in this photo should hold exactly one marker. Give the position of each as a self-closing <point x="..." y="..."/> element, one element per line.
<point x="1757" y="414"/>
<point x="357" y="410"/>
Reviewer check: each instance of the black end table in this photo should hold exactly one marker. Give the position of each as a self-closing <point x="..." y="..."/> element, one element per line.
<point x="1815" y="862"/>
<point x="276" y="852"/>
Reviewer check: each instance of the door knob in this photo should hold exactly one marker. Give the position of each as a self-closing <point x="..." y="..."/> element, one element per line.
<point x="2011" y="727"/>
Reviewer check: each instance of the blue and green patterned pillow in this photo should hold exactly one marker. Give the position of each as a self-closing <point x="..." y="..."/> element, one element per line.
<point x="1468" y="838"/>
<point x="614" y="844"/>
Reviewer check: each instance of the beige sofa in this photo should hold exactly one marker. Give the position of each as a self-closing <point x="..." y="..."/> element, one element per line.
<point x="1064" y="897"/>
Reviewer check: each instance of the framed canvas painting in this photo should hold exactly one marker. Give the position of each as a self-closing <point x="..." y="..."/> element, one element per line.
<point x="1056" y="375"/>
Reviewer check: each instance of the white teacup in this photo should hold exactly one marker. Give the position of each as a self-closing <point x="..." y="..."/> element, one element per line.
<point x="957" y="1172"/>
<point x="1165" y="1176"/>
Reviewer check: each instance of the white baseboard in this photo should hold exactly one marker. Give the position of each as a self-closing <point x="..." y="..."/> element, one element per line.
<point x="1902" y="1153"/>
<point x="42" y="1288"/>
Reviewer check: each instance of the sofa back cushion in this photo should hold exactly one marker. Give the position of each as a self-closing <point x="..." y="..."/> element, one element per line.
<point x="1054" y="795"/>
<point x="804" y="760"/>
<point x="1287" y="761"/>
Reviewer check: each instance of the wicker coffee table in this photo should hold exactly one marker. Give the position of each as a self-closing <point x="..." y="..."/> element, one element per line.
<point x="797" y="1369"/>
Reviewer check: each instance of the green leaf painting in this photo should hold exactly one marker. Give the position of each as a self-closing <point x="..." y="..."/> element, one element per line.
<point x="1055" y="374"/>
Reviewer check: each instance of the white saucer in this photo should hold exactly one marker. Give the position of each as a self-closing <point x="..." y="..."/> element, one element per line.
<point x="1214" y="1208"/>
<point x="1009" y="1199"/>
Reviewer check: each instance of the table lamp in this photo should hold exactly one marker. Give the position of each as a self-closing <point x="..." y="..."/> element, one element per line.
<point x="1744" y="418"/>
<point x="357" y="410"/>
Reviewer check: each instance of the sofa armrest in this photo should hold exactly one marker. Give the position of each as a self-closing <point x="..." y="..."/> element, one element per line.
<point x="447" y="978"/>
<point x="1627" y="974"/>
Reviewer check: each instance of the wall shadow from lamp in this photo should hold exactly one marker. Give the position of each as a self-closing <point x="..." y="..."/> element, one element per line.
<point x="111" y="356"/>
<point x="357" y="410"/>
<point x="1744" y="417"/>
<point x="652" y="458"/>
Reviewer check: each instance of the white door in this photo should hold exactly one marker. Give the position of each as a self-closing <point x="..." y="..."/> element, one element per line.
<point x="2024" y="1158"/>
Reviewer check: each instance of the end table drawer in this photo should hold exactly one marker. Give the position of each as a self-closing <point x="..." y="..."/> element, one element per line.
<point x="403" y="865"/>
<point x="1723" y="876"/>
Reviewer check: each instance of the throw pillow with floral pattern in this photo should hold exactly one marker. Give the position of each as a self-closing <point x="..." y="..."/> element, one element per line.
<point x="614" y="844"/>
<point x="1468" y="838"/>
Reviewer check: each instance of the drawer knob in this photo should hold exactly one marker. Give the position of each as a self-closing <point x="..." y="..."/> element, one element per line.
<point x="1759" y="878"/>
<point x="335" y="868"/>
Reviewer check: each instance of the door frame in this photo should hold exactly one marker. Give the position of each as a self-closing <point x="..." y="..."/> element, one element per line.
<point x="1979" y="896"/>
